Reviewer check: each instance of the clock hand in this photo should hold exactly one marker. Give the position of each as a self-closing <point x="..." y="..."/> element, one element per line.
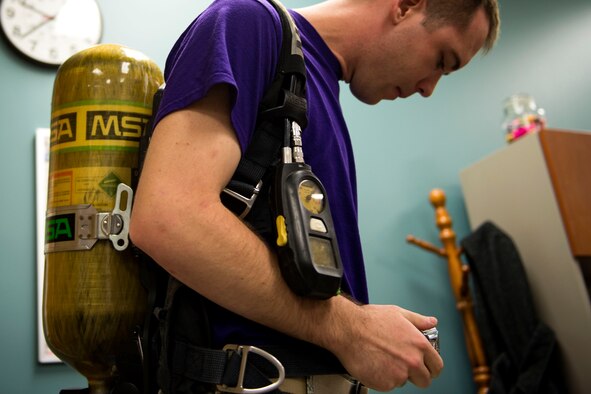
<point x="32" y="8"/>
<point x="37" y="26"/>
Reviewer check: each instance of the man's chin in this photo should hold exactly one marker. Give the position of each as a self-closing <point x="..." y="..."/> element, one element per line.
<point x="364" y="97"/>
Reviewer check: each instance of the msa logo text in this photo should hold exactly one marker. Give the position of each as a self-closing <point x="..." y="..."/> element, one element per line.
<point x="115" y="125"/>
<point x="60" y="228"/>
<point x="63" y="129"/>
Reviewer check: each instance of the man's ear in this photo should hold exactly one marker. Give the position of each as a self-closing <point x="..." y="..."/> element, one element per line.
<point x="401" y="8"/>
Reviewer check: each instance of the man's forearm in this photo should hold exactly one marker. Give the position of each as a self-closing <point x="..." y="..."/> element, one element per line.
<point x="217" y="255"/>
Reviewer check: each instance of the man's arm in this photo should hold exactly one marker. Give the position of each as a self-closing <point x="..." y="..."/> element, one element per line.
<point x="179" y="220"/>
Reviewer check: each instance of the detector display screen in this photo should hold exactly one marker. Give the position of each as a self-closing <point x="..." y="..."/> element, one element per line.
<point x="311" y="196"/>
<point x="322" y="254"/>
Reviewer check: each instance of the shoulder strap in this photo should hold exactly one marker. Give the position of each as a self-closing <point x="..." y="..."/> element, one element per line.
<point x="283" y="101"/>
<point x="289" y="67"/>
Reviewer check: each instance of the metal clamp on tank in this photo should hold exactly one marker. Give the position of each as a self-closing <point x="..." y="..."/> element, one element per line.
<point x="79" y="227"/>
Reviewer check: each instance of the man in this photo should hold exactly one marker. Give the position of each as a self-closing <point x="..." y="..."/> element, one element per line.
<point x="216" y="76"/>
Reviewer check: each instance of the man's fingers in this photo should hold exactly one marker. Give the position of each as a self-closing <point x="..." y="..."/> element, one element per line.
<point x="420" y="321"/>
<point x="434" y="363"/>
<point x="420" y="377"/>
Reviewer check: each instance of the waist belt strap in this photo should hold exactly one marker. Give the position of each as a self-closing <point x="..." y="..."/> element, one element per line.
<point x="223" y="367"/>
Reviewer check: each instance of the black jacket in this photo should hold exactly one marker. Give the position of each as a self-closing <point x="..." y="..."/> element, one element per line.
<point x="521" y="350"/>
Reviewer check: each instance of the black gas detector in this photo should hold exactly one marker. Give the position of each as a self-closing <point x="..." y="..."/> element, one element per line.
<point x="307" y="244"/>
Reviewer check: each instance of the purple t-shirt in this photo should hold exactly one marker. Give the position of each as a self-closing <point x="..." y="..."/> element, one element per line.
<point x="237" y="42"/>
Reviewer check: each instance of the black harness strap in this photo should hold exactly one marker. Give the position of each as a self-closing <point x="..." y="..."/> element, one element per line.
<point x="284" y="101"/>
<point x="221" y="367"/>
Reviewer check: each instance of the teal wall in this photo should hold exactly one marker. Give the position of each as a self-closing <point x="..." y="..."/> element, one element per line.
<point x="404" y="149"/>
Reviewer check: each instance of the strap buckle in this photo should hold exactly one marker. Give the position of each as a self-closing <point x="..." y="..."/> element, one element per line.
<point x="80" y="227"/>
<point x="247" y="201"/>
<point x="243" y="351"/>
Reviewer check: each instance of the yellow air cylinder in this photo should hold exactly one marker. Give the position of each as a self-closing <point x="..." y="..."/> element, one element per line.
<point x="93" y="298"/>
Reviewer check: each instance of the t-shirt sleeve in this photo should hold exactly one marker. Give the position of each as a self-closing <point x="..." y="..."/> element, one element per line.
<point x="233" y="42"/>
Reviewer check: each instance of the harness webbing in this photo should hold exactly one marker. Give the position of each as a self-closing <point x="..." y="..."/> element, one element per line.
<point x="284" y="101"/>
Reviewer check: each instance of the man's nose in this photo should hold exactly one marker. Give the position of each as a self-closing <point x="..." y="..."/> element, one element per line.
<point x="426" y="86"/>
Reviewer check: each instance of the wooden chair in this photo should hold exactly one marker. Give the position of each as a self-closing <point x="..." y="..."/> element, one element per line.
<point x="458" y="272"/>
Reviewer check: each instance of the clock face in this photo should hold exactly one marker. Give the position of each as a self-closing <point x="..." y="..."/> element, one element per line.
<point x="50" y="31"/>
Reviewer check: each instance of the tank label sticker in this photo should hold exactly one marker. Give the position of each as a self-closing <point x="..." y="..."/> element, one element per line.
<point x="86" y="185"/>
<point x="60" y="188"/>
<point x="97" y="126"/>
<point x="109" y="184"/>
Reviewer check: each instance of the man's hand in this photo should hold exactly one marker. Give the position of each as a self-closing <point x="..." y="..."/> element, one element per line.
<point x="384" y="347"/>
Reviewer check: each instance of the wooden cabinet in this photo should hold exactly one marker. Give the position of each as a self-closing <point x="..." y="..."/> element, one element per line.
<point x="538" y="190"/>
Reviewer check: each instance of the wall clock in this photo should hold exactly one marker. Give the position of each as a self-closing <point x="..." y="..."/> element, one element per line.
<point x="50" y="31"/>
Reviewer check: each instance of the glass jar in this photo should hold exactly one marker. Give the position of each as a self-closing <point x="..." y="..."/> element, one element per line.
<point x="522" y="116"/>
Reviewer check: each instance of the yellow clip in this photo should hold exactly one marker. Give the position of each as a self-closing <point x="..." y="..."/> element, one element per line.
<point x="281" y="231"/>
